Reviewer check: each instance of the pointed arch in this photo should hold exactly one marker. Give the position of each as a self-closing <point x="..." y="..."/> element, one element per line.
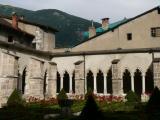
<point x="100" y="82"/>
<point x="45" y="83"/>
<point x="24" y="80"/>
<point x="126" y="81"/>
<point x="58" y="82"/>
<point x="73" y="82"/>
<point x="66" y="81"/>
<point x="109" y="81"/>
<point x="138" y="82"/>
<point x="90" y="81"/>
<point x="149" y="81"/>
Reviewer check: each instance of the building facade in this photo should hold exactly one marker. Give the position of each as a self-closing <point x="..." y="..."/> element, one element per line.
<point x="115" y="58"/>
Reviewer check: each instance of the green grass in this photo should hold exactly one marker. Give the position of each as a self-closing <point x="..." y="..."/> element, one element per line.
<point x="112" y="111"/>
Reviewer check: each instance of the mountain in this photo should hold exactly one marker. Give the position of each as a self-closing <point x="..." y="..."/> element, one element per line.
<point x="70" y="27"/>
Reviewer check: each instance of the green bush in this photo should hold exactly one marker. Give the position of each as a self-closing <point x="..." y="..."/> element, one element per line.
<point x="132" y="97"/>
<point x="89" y="92"/>
<point x="15" y="99"/>
<point x="91" y="110"/>
<point x="153" y="106"/>
<point x="62" y="95"/>
<point x="63" y="100"/>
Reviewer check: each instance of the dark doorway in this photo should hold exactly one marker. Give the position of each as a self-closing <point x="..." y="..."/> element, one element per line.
<point x="100" y="82"/>
<point x="149" y="81"/>
<point x="58" y="82"/>
<point x="138" y="82"/>
<point x="90" y="81"/>
<point x="109" y="81"/>
<point x="45" y="83"/>
<point x="126" y="81"/>
<point x="23" y="80"/>
<point x="73" y="82"/>
<point x="66" y="82"/>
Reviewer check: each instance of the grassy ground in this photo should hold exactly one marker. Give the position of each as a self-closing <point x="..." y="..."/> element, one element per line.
<point x="111" y="111"/>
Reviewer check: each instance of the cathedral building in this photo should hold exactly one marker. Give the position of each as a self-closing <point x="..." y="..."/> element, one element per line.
<point x="113" y="60"/>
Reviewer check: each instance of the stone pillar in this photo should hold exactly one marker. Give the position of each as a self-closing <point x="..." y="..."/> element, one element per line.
<point x="132" y="82"/>
<point x="61" y="83"/>
<point x="116" y="79"/>
<point x="35" y="79"/>
<point x="143" y="83"/>
<point x="70" y="83"/>
<point x="156" y="70"/>
<point x="79" y="78"/>
<point x="95" y="84"/>
<point x="8" y="76"/>
<point x="52" y="77"/>
<point x="105" y="84"/>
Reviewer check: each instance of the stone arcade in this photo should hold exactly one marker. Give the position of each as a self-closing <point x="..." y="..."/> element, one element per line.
<point x="114" y="59"/>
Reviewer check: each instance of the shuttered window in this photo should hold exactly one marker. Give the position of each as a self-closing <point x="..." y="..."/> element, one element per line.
<point x="155" y="32"/>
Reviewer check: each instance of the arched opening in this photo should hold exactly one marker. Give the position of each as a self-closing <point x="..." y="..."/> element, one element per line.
<point x="90" y="81"/>
<point x="100" y="82"/>
<point x="109" y="81"/>
<point x="23" y="80"/>
<point x="73" y="82"/>
<point x="138" y="82"/>
<point x="66" y="82"/>
<point x="45" y="84"/>
<point x="58" y="82"/>
<point x="149" y="81"/>
<point x="126" y="81"/>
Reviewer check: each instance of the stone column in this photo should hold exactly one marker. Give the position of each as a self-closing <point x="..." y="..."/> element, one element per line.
<point x="70" y="84"/>
<point x="52" y="77"/>
<point x="8" y="76"/>
<point x="116" y="78"/>
<point x="35" y="79"/>
<point x="132" y="82"/>
<point x="105" y="84"/>
<point x="95" y="84"/>
<point x="143" y="83"/>
<point x="61" y="83"/>
<point x="79" y="78"/>
<point x="156" y="70"/>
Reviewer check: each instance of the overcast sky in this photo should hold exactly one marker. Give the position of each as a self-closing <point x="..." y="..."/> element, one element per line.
<point x="89" y="9"/>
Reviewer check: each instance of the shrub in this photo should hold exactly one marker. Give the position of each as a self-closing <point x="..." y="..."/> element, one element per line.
<point x="91" y="111"/>
<point x="89" y="92"/>
<point x="62" y="95"/>
<point x="15" y="99"/>
<point x="63" y="100"/>
<point x="132" y="97"/>
<point x="153" y="106"/>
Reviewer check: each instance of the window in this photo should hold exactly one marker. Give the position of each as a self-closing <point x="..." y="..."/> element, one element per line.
<point x="10" y="39"/>
<point x="129" y="36"/>
<point x="155" y="32"/>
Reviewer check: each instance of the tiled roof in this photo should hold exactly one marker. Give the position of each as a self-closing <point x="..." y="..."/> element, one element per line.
<point x="116" y="25"/>
<point x="111" y="26"/>
<point x="9" y="26"/>
<point x="32" y="23"/>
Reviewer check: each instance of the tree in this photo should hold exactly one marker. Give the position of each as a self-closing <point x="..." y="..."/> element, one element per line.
<point x="153" y="106"/>
<point x="91" y="111"/>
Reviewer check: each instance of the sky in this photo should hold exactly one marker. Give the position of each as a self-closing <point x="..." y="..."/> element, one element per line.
<point x="90" y="9"/>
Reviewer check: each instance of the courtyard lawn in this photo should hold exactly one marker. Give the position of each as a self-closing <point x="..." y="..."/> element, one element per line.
<point x="111" y="111"/>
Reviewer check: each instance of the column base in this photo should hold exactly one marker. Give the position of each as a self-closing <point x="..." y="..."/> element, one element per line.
<point x="144" y="97"/>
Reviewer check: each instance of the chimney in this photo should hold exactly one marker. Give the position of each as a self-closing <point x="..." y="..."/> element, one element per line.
<point x="21" y="17"/>
<point x="92" y="30"/>
<point x="105" y="23"/>
<point x="14" y="20"/>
